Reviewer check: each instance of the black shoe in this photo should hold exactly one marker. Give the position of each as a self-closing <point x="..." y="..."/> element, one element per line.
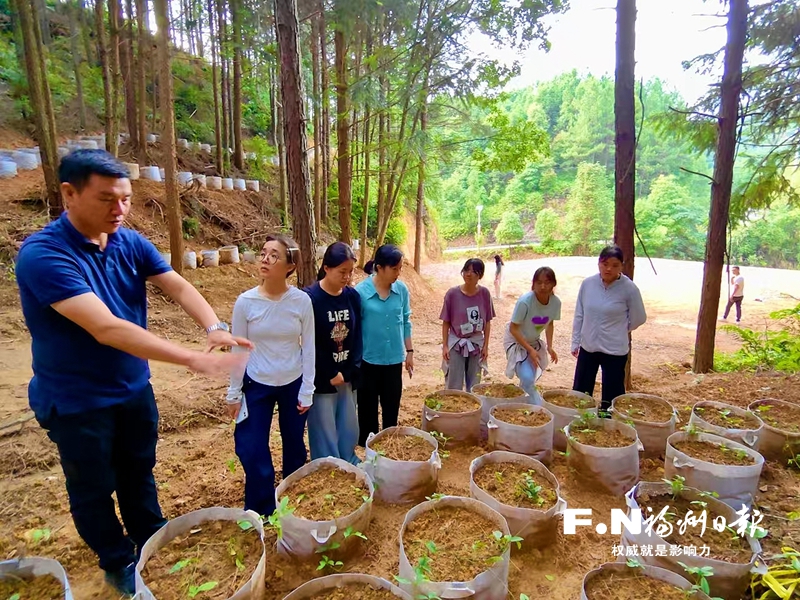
<point x="123" y="579"/>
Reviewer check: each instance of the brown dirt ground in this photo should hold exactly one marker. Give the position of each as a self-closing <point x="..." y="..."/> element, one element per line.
<point x="645" y="409"/>
<point x="355" y="591"/>
<point x="197" y="466"/>
<point x="404" y="447"/>
<point x="609" y="585"/>
<point x="714" y="453"/>
<point x="522" y="416"/>
<point x="44" y="587"/>
<point x="327" y="494"/>
<point x="728" y="417"/>
<point x="506" y="482"/>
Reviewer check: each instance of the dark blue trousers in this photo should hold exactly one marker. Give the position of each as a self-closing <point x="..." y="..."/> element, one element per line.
<point x="252" y="440"/>
<point x="109" y="450"/>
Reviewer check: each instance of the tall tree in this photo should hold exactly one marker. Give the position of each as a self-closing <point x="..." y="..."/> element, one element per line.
<point x="218" y="155"/>
<point x="238" y="148"/>
<point x="141" y="81"/>
<point x="419" y="233"/>
<point x="625" y="142"/>
<point x="721" y="186"/>
<point x="41" y="101"/>
<point x="326" y="115"/>
<point x="112" y="140"/>
<point x="295" y="135"/>
<point x="315" y="97"/>
<point x="344" y="173"/>
<point x="72" y="9"/>
<point x="128" y="77"/>
<point x="105" y="67"/>
<point x="168" y="141"/>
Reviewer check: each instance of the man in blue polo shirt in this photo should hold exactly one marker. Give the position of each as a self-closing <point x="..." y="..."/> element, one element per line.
<point x="82" y="287"/>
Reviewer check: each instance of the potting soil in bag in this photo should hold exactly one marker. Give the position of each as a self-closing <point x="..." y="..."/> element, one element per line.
<point x="780" y="438"/>
<point x="34" y="577"/>
<point x="346" y="497"/>
<point x="736" y="484"/>
<point x="409" y="470"/>
<point x="652" y="417"/>
<point x="454" y="414"/>
<point x="537" y="526"/>
<point x="535" y="441"/>
<point x="445" y="527"/>
<point x="345" y="583"/>
<point x="205" y="520"/>
<point x="732" y="564"/>
<point x="563" y="415"/>
<point x="492" y="394"/>
<point x="614" y="468"/>
<point x="628" y="582"/>
<point x="728" y="421"/>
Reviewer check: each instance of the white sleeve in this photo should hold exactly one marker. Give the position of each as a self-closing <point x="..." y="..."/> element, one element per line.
<point x="577" y="320"/>
<point x="308" y="351"/>
<point x="239" y="329"/>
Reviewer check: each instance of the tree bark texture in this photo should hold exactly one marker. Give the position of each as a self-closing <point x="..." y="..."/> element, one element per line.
<point x="315" y="97"/>
<point x="238" y="149"/>
<point x="362" y="256"/>
<point x="72" y="9"/>
<point x="218" y="155"/>
<point x="41" y="102"/>
<point x="295" y="135"/>
<point x="141" y="81"/>
<point x="168" y="141"/>
<point x="343" y="137"/>
<point x="126" y="62"/>
<point x="326" y="115"/>
<point x="420" y="227"/>
<point x="731" y="90"/>
<point x="112" y="144"/>
<point x="103" y="57"/>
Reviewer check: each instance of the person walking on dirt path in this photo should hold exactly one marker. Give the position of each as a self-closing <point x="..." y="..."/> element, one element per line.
<point x="498" y="275"/>
<point x="332" y="419"/>
<point x="275" y="317"/>
<point x="736" y="297"/>
<point x="535" y="312"/>
<point x="386" y="331"/>
<point x="82" y="289"/>
<point x="466" y="316"/>
<point x="608" y="308"/>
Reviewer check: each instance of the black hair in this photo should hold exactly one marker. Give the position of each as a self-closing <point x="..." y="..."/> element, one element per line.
<point x="336" y="254"/>
<point x="292" y="251"/>
<point x="77" y="167"/>
<point x="387" y="255"/>
<point x="498" y="260"/>
<point x="476" y="264"/>
<point x="545" y="272"/>
<point x="612" y="251"/>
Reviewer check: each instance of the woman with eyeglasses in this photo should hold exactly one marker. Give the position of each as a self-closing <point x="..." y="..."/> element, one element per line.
<point x="332" y="420"/>
<point x="534" y="313"/>
<point x="275" y="317"/>
<point x="466" y="316"/>
<point x="386" y="327"/>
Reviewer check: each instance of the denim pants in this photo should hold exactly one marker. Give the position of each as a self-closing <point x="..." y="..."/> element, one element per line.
<point x="333" y="425"/>
<point x="527" y="372"/>
<point x="107" y="450"/>
<point x="251" y="438"/>
<point x="463" y="370"/>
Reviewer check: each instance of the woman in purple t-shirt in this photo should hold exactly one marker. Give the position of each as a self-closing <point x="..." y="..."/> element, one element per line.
<point x="466" y="318"/>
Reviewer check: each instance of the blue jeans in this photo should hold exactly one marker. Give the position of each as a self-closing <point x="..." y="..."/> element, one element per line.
<point x="251" y="437"/>
<point x="526" y="373"/>
<point x="107" y="450"/>
<point x="333" y="425"/>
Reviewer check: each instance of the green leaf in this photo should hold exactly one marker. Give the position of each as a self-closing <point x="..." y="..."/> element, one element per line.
<point x="550" y="577"/>
<point x="180" y="565"/>
<point x="244" y="525"/>
<point x="194" y="590"/>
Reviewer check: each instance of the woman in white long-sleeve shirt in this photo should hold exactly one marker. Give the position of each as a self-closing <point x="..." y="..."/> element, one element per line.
<point x="609" y="306"/>
<point x="279" y="320"/>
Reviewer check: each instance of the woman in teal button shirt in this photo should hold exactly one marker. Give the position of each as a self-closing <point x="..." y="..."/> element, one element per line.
<point x="386" y="331"/>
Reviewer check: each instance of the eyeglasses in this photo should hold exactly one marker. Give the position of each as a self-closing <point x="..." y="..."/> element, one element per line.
<point x="270" y="258"/>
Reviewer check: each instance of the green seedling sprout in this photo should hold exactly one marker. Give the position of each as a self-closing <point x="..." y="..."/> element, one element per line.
<point x="676" y="484"/>
<point x="327" y="563"/>
<point x="702" y="574"/>
<point x="194" y="590"/>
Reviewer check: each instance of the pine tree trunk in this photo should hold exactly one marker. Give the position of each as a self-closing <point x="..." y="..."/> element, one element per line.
<point x="326" y="115"/>
<point x="198" y="32"/>
<point x="342" y="137"/>
<point x="362" y="256"/>
<point x="72" y="8"/>
<point x="141" y="81"/>
<point x="224" y="97"/>
<point x="625" y="143"/>
<point x="41" y="102"/>
<point x="731" y="90"/>
<point x="112" y="144"/>
<point x="168" y="142"/>
<point x="420" y="227"/>
<point x="238" y="149"/>
<point x="126" y="61"/>
<point x="103" y="56"/>
<point x="44" y="22"/>
<point x="86" y="33"/>
<point x="315" y="97"/>
<point x="218" y="157"/>
<point x="295" y="135"/>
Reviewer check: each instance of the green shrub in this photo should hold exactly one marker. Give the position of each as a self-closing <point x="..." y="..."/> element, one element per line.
<point x="509" y="230"/>
<point x="396" y="232"/>
<point x="770" y="350"/>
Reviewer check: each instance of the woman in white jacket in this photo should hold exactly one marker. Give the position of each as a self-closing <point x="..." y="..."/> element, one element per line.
<point x="279" y="320"/>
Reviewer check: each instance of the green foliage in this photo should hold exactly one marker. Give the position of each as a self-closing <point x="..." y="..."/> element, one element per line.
<point x="589" y="210"/>
<point x="396" y="232"/>
<point x="771" y="350"/>
<point x="510" y="230"/>
<point x="767" y="238"/>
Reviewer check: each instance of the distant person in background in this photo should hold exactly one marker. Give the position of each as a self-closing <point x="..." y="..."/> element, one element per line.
<point x="498" y="275"/>
<point x="535" y="312"/>
<point x="736" y="297"/>
<point x="466" y="317"/>
<point x="332" y="420"/>
<point x="275" y="317"/>
<point x="386" y="327"/>
<point x="82" y="288"/>
<point x="609" y="306"/>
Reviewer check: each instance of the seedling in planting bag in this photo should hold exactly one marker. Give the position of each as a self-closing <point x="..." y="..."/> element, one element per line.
<point x="349" y="531"/>
<point x="676" y="484"/>
<point x="194" y="590"/>
<point x="634" y="563"/>
<point x="702" y="574"/>
<point x="327" y="563"/>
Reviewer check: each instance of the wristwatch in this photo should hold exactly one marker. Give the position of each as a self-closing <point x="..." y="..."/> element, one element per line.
<point x="221" y="326"/>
